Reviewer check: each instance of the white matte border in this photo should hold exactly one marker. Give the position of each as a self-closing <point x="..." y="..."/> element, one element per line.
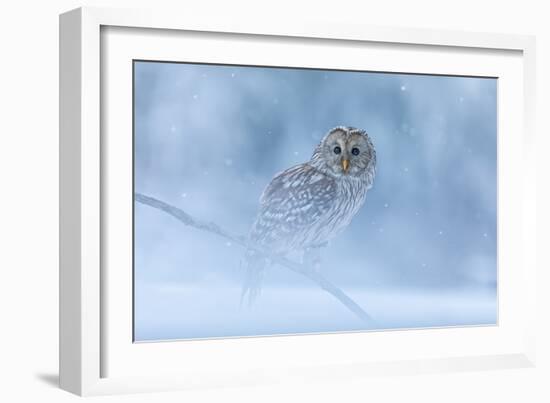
<point x="509" y="349"/>
<point x="121" y="46"/>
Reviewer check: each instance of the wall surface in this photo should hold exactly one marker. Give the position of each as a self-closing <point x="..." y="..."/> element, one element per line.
<point x="29" y="201"/>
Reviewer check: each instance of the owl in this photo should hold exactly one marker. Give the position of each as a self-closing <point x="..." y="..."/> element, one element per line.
<point x="307" y="205"/>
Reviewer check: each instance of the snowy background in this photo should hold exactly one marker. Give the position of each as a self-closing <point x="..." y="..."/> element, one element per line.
<point x="421" y="252"/>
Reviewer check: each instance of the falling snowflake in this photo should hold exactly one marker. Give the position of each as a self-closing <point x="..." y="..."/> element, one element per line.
<point x="184" y="195"/>
<point x="228" y="243"/>
<point x="195" y="96"/>
<point x="232" y="74"/>
<point x="173" y="129"/>
<point x="403" y="88"/>
<point x="296" y="153"/>
<point x="386" y="205"/>
<point x="228" y="162"/>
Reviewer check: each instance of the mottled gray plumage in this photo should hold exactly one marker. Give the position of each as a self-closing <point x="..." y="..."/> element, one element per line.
<point x="308" y="204"/>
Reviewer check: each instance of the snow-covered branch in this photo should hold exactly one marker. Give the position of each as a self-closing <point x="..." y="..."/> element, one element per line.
<point x="299" y="268"/>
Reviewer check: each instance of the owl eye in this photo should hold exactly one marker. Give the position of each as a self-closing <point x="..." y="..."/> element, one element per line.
<point x="337" y="150"/>
<point x="355" y="151"/>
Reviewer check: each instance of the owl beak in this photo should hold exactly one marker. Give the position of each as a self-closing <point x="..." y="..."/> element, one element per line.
<point x="345" y="165"/>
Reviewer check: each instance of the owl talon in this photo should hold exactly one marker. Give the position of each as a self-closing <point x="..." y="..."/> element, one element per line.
<point x="312" y="259"/>
<point x="316" y="266"/>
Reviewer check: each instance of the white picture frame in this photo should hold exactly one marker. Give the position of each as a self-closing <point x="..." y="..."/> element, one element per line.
<point x="96" y="354"/>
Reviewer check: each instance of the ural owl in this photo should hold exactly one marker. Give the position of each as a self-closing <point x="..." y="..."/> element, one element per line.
<point x="308" y="204"/>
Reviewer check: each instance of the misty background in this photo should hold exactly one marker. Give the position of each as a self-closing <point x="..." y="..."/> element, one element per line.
<point x="420" y="253"/>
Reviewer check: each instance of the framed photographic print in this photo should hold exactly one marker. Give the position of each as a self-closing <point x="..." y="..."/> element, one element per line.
<point x="237" y="198"/>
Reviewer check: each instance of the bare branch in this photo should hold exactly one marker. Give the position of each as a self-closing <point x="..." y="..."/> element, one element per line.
<point x="241" y="240"/>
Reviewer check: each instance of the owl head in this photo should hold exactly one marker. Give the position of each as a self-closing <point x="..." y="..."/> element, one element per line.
<point x="345" y="152"/>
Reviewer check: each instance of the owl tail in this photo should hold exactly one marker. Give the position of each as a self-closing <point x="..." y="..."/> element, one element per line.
<point x="254" y="266"/>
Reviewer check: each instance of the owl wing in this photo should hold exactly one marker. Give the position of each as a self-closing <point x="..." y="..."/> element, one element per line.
<point x="294" y="201"/>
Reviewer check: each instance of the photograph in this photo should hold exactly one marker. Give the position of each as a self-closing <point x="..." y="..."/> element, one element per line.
<point x="283" y="200"/>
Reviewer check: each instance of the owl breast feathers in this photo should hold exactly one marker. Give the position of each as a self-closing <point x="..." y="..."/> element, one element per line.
<point x="308" y="204"/>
